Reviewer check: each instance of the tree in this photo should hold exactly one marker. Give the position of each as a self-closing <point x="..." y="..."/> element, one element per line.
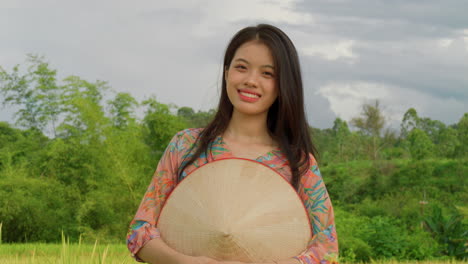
<point x="186" y="112"/>
<point x="370" y="123"/>
<point x="410" y="121"/>
<point x="433" y="128"/>
<point x="449" y="232"/>
<point x="34" y="92"/>
<point x="462" y="128"/>
<point x="121" y="109"/>
<point x="160" y="125"/>
<point x="82" y="109"/>
<point x="421" y="146"/>
<point x="198" y="119"/>
<point x="341" y="133"/>
<point x="448" y="142"/>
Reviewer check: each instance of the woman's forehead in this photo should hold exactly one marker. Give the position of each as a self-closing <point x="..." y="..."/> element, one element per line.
<point x="254" y="52"/>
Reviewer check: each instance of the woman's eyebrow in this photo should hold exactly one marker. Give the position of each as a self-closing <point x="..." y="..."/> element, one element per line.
<point x="244" y="60"/>
<point x="268" y="66"/>
<point x="263" y="66"/>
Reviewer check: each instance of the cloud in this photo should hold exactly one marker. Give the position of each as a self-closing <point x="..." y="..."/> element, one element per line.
<point x="346" y="100"/>
<point x="173" y="49"/>
<point x="445" y="42"/>
<point x="332" y="51"/>
<point x="465" y="38"/>
<point x="216" y="16"/>
<point x="449" y="14"/>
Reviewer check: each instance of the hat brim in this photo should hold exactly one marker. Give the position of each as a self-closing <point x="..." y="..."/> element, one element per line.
<point x="235" y="209"/>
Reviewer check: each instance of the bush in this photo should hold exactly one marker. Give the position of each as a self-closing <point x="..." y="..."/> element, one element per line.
<point x="421" y="246"/>
<point x="352" y="233"/>
<point x="449" y="231"/>
<point x="387" y="238"/>
<point x="363" y="238"/>
<point x="36" y="210"/>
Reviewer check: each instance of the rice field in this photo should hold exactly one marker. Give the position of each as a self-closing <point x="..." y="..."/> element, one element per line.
<point x="65" y="253"/>
<point x="81" y="253"/>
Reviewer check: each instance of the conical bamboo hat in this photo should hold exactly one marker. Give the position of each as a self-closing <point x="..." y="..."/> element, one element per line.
<point x="235" y="209"/>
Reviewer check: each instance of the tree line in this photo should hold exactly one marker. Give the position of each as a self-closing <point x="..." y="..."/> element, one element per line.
<point x="77" y="162"/>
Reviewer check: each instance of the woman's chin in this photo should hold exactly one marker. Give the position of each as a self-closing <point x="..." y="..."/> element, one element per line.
<point x="250" y="111"/>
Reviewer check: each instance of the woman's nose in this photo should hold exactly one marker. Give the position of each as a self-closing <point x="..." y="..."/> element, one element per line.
<point x="251" y="79"/>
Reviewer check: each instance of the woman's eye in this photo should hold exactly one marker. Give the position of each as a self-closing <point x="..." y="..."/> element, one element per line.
<point x="269" y="74"/>
<point x="242" y="67"/>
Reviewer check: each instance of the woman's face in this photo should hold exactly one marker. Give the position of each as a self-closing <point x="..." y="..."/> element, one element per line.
<point x="250" y="79"/>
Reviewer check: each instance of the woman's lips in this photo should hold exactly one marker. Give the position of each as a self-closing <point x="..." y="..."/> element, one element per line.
<point x="248" y="96"/>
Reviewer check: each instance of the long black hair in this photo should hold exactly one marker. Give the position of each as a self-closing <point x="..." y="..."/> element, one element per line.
<point x="286" y="120"/>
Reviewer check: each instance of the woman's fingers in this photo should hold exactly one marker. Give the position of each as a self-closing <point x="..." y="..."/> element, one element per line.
<point x="206" y="260"/>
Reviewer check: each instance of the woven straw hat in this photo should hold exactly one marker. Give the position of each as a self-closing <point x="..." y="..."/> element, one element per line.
<point x="235" y="209"/>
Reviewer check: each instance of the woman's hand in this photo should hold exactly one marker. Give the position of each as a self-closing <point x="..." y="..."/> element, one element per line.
<point x="203" y="260"/>
<point x="240" y="262"/>
<point x="207" y="260"/>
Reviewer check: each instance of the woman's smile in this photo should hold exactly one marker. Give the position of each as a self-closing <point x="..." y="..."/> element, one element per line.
<point x="248" y="96"/>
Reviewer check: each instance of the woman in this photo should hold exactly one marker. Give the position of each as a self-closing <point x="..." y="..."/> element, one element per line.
<point x="261" y="117"/>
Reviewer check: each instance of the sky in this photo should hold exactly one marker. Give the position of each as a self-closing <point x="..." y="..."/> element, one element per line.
<point x="404" y="53"/>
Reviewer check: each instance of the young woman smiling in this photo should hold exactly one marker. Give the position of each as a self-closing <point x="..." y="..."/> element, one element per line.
<point x="260" y="117"/>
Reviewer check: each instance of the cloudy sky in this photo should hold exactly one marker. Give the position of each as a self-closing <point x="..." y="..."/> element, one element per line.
<point x="405" y="53"/>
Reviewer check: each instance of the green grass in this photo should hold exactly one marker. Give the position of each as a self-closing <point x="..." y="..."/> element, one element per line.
<point x="83" y="253"/>
<point x="80" y="253"/>
<point x="64" y="253"/>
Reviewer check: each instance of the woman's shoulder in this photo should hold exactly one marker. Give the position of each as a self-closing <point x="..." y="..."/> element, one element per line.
<point x="183" y="140"/>
<point x="187" y="136"/>
<point x="189" y="133"/>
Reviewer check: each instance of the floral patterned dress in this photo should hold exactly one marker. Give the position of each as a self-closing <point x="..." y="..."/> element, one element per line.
<point x="323" y="246"/>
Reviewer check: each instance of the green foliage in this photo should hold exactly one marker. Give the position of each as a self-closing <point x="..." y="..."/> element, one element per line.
<point x="34" y="92"/>
<point x="363" y="238"/>
<point x="343" y="137"/>
<point x="433" y="128"/>
<point x="371" y="121"/>
<point x="195" y="120"/>
<point x="462" y="128"/>
<point x="409" y="122"/>
<point x="387" y="237"/>
<point x="352" y="233"/>
<point x="448" y="142"/>
<point x="421" y="146"/>
<point x="122" y="109"/>
<point x="371" y="127"/>
<point x="387" y="196"/>
<point x="93" y="156"/>
<point x="449" y="231"/>
<point x="160" y="125"/>
<point x="88" y="176"/>
<point x="65" y="252"/>
<point x="35" y="209"/>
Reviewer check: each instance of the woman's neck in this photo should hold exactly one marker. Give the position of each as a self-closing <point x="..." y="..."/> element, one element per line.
<point x="249" y="129"/>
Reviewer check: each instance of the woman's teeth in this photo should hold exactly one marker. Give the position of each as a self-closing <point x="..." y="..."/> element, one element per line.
<point x="250" y="95"/>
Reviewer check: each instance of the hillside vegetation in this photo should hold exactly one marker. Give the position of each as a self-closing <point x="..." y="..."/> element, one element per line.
<point x="78" y="160"/>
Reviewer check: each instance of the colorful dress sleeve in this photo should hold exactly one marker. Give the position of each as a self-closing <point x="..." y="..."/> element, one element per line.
<point x="323" y="246"/>
<point x="143" y="226"/>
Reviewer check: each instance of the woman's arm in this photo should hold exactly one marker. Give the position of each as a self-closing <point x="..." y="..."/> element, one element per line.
<point x="157" y="251"/>
<point x="143" y="239"/>
<point x="323" y="246"/>
<point x="287" y="261"/>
